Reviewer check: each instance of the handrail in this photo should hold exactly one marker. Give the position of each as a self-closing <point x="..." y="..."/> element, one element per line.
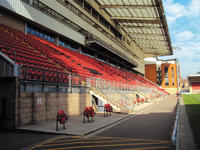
<point x="114" y="89"/>
<point x="116" y="94"/>
<point x="111" y="101"/>
<point x="95" y="105"/>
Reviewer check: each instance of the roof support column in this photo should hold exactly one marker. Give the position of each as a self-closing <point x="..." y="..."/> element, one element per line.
<point x="57" y="41"/>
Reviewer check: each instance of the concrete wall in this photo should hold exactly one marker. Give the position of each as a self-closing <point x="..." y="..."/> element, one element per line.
<point x="128" y="55"/>
<point x="22" y="108"/>
<point x="41" y="107"/>
<point x="25" y="10"/>
<point x="11" y="21"/>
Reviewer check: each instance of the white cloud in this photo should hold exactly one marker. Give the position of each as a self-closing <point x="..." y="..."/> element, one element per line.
<point x="183" y="18"/>
<point x="184" y="36"/>
<point x="171" y="19"/>
<point x="188" y="57"/>
<point x="194" y="8"/>
<point x="176" y="10"/>
<point x="189" y="68"/>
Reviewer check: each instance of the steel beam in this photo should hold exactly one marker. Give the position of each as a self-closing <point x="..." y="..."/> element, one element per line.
<point x="152" y="42"/>
<point x="135" y="18"/>
<point x="142" y="39"/>
<point x="146" y="34"/>
<point x="140" y="27"/>
<point x="127" y="6"/>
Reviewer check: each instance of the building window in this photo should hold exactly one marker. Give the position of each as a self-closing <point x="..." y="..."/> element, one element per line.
<point x="67" y="45"/>
<point x="159" y="76"/>
<point x="166" y="76"/>
<point x="42" y="34"/>
<point x="28" y="30"/>
<point x="172" y="76"/>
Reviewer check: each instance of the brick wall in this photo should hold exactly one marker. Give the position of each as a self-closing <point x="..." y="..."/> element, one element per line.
<point x="150" y="72"/>
<point x="170" y="66"/>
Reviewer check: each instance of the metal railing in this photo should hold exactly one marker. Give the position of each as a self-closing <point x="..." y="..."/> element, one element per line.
<point x="118" y="93"/>
<point x="8" y="66"/>
<point x="113" y="95"/>
<point x="11" y="53"/>
<point x="30" y="73"/>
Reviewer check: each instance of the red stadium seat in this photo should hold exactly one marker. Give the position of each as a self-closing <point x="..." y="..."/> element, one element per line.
<point x="38" y="53"/>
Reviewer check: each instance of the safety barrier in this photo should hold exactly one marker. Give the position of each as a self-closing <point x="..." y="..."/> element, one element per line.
<point x="175" y="134"/>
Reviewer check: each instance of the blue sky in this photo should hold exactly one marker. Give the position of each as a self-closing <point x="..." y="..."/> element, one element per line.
<point x="183" y="17"/>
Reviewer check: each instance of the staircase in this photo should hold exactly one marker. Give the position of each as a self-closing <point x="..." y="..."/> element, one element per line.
<point x="109" y="94"/>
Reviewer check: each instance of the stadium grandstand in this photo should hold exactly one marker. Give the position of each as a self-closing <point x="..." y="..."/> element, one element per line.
<point x="194" y="83"/>
<point x="69" y="54"/>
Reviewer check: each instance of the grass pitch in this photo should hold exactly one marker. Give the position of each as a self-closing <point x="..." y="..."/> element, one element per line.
<point x="192" y="103"/>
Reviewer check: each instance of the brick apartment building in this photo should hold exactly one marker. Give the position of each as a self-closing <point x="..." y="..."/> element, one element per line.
<point x="165" y="73"/>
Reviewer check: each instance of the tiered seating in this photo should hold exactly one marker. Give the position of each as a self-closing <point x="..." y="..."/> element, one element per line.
<point x="62" y="59"/>
<point x="26" y="55"/>
<point x="35" y="52"/>
<point x="108" y="72"/>
<point x="195" y="86"/>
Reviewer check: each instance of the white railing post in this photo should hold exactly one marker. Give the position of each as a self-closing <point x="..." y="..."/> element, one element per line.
<point x="70" y="80"/>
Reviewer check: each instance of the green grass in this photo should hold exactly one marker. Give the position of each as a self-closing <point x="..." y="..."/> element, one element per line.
<point x="192" y="103"/>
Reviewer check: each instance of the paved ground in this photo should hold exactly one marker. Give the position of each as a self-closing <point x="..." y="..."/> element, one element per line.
<point x="155" y="123"/>
<point x="15" y="140"/>
<point x="75" y="125"/>
<point x="101" y="143"/>
<point x="26" y="136"/>
<point x="149" y="129"/>
<point x="135" y="133"/>
<point x="186" y="141"/>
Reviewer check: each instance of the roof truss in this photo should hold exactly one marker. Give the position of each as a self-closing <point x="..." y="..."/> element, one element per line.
<point x="143" y="21"/>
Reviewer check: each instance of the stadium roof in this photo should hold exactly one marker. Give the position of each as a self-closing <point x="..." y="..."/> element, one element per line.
<point x="144" y="21"/>
<point x="194" y="75"/>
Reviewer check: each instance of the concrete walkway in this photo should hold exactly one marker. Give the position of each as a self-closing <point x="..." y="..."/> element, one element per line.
<point x="186" y="139"/>
<point x="75" y="125"/>
<point x="154" y="123"/>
